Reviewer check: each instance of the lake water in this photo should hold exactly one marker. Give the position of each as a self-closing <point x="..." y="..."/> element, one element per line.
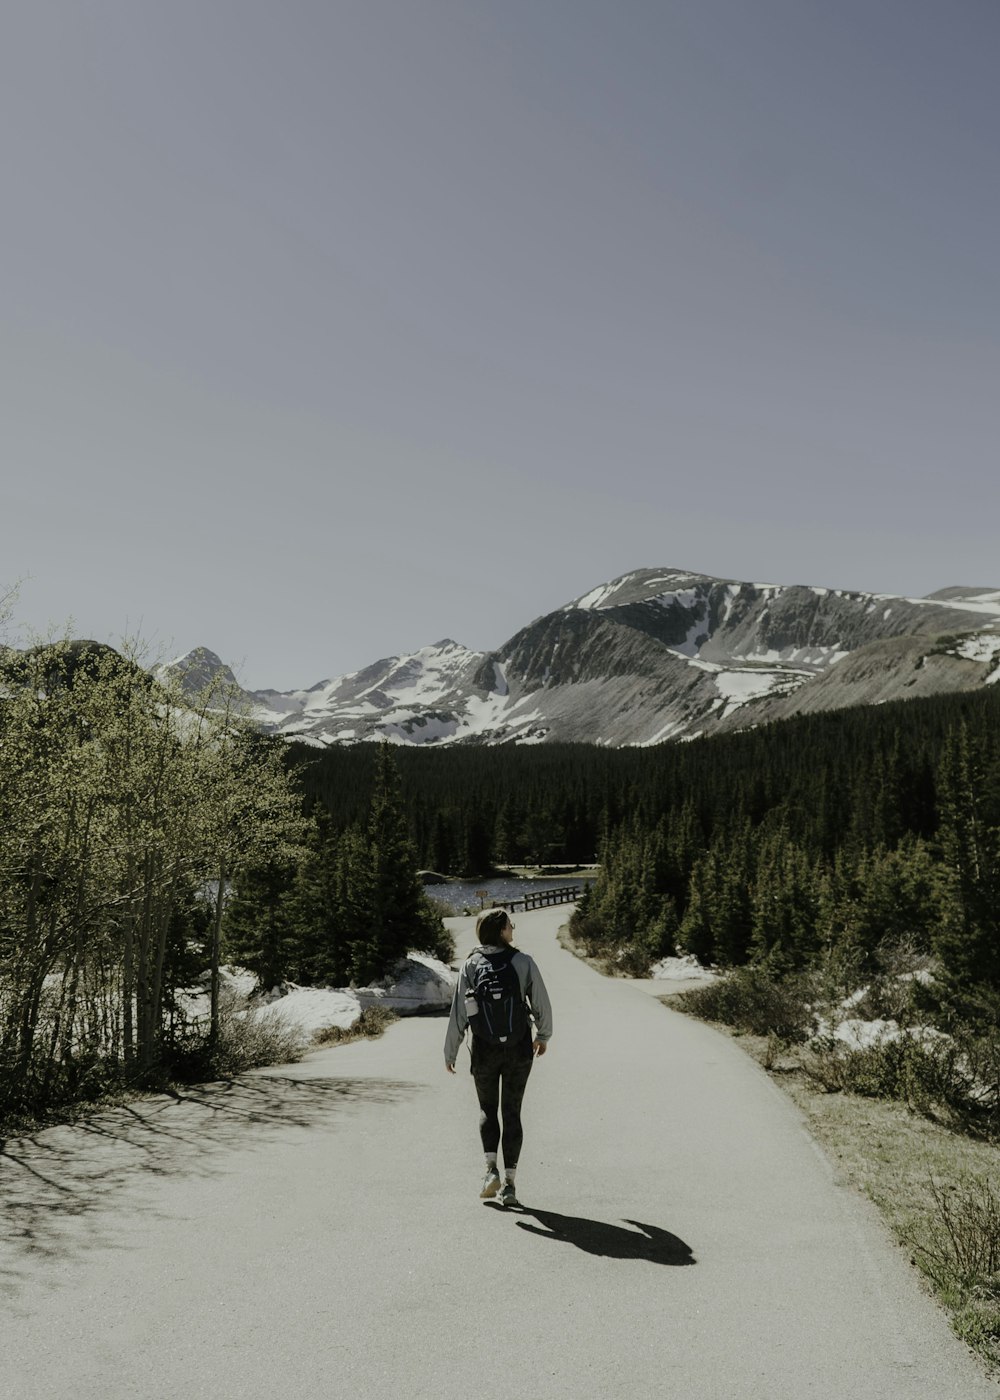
<point x="460" y="895"/>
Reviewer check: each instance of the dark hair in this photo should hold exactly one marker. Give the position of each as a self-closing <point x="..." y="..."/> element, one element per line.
<point x="490" y="925"/>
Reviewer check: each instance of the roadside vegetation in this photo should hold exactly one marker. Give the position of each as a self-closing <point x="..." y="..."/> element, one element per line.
<point x="843" y="876"/>
<point x="370" y="1025"/>
<point x="148" y="836"/>
<point x="910" y="1115"/>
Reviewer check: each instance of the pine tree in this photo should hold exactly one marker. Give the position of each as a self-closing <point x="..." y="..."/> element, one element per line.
<point x="397" y="917"/>
<point x="443" y="856"/>
<point x="732" y="914"/>
<point x="785" y="905"/>
<point x="968" y="938"/>
<point x="477" y="845"/>
<point x="503" y="837"/>
<point x="899" y="899"/>
<point x="685" y="839"/>
<point x="697" y="930"/>
<point x="260" y="924"/>
<point x="318" y="908"/>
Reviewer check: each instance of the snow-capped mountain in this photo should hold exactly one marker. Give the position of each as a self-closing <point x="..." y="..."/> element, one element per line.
<point x="654" y="655"/>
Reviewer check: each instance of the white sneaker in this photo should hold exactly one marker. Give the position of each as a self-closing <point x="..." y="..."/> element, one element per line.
<point x="491" y="1184"/>
<point x="508" y="1196"/>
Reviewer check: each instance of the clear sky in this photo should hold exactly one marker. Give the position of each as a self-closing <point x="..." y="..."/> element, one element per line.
<point x="334" y="327"/>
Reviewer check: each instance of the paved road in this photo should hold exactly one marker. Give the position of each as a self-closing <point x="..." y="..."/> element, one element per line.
<point x="315" y="1231"/>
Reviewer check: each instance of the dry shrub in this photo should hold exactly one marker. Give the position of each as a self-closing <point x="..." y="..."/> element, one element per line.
<point x="962" y="1246"/>
<point x="752" y="1000"/>
<point x="370" y="1024"/>
<point x="248" y="1038"/>
<point x="958" y="1248"/>
<point x="955" y="1078"/>
<point x="904" y="1069"/>
<point x="972" y="1089"/>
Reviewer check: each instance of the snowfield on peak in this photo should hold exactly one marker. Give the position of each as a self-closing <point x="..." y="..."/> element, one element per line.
<point x="644" y="583"/>
<point x="737" y="687"/>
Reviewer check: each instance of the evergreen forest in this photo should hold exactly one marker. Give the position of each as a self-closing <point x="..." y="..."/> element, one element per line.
<point x="147" y="838"/>
<point x="848" y="831"/>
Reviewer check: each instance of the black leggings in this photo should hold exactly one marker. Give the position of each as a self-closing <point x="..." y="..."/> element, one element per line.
<point x="501" y="1073"/>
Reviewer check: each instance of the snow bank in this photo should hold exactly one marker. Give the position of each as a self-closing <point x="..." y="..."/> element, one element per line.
<point x="237" y="982"/>
<point x="685" y="969"/>
<point x="859" y="1033"/>
<point x="418" y="985"/>
<point x="313" y="1009"/>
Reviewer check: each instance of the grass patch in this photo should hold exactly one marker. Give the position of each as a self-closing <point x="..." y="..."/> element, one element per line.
<point x="369" y="1026"/>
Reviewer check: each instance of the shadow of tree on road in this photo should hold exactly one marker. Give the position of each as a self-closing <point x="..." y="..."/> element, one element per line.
<point x="60" y="1188"/>
<point x="649" y="1242"/>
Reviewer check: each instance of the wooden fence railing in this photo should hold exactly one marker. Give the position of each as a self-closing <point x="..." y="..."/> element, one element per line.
<point x="540" y="899"/>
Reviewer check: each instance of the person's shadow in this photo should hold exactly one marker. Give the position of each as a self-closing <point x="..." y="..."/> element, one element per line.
<point x="613" y="1241"/>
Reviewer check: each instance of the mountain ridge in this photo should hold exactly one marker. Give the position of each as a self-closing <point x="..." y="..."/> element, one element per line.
<point x="652" y="655"/>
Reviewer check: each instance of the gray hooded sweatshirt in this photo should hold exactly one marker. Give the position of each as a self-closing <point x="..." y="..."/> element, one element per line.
<point x="532" y="989"/>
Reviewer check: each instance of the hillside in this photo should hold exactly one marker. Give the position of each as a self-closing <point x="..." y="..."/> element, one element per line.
<point x="653" y="655"/>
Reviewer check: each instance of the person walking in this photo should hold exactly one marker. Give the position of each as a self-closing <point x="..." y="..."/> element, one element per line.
<point x="498" y="994"/>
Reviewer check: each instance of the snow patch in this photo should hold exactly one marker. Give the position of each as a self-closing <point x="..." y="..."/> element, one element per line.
<point x="683" y="969"/>
<point x="697" y="634"/>
<point x="595" y="597"/>
<point x="858" y="1034"/>
<point x="815" y="657"/>
<point x="605" y="593"/>
<point x="982" y="646"/>
<point x="700" y="665"/>
<point x="672" y="727"/>
<point x="985" y="602"/>
<point x="407" y="728"/>
<point x="419" y="984"/>
<point x="738" y="687"/>
<point x="314" y="1009"/>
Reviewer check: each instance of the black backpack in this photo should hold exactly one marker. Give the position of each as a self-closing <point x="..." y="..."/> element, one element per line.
<point x="501" y="1017"/>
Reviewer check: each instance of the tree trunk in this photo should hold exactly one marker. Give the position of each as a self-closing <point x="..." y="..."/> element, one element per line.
<point x="128" y="971"/>
<point x="213" y="1034"/>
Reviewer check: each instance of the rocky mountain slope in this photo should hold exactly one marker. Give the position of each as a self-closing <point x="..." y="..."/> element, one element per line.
<point x="654" y="655"/>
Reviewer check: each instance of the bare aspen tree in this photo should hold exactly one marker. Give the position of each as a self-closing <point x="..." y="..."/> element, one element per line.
<point x="120" y="798"/>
